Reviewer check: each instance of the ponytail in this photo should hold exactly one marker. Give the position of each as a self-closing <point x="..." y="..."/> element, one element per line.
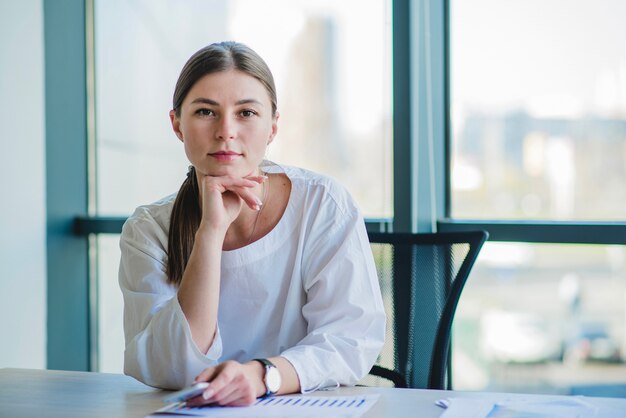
<point x="184" y="223"/>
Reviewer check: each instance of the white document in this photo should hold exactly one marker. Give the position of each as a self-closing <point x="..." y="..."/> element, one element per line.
<point x="293" y="406"/>
<point x="517" y="408"/>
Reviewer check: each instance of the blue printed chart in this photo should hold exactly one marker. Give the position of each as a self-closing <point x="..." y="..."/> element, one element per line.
<point x="294" y="406"/>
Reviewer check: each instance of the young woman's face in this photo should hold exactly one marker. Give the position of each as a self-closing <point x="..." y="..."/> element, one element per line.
<point x="225" y="124"/>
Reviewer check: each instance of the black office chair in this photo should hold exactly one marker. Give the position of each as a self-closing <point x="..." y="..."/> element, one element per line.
<point x="421" y="278"/>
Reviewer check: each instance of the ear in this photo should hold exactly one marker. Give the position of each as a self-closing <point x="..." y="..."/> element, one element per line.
<point x="176" y="125"/>
<point x="274" y="128"/>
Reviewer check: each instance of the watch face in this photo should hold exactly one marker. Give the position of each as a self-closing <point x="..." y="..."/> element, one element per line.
<point x="272" y="379"/>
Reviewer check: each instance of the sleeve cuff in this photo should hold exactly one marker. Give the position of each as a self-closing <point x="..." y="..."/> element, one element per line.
<point x="309" y="374"/>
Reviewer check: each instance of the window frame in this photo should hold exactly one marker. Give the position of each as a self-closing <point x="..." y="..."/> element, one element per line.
<point x="69" y="309"/>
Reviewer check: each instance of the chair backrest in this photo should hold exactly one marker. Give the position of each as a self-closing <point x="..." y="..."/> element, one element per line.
<point x="421" y="278"/>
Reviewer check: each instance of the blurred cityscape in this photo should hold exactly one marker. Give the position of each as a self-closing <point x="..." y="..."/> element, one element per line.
<point x="542" y="318"/>
<point x="516" y="166"/>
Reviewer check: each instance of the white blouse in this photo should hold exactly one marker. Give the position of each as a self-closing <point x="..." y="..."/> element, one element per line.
<point x="307" y="291"/>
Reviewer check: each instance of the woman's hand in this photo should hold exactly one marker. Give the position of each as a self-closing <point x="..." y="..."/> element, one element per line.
<point x="223" y="197"/>
<point x="231" y="384"/>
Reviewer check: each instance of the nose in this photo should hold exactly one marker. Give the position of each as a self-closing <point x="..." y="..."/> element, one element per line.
<point x="226" y="129"/>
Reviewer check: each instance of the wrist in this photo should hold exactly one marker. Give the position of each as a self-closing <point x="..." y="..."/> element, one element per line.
<point x="257" y="371"/>
<point x="206" y="231"/>
<point x="272" y="379"/>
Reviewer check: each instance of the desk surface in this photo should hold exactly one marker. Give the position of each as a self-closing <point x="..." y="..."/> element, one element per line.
<point x="48" y="393"/>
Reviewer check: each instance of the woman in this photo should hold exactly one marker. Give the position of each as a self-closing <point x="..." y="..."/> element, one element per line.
<point x="255" y="278"/>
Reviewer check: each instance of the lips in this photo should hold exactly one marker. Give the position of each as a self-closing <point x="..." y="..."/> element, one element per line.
<point x="225" y="155"/>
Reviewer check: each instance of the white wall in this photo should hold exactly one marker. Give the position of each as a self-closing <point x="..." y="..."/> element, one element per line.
<point x="22" y="186"/>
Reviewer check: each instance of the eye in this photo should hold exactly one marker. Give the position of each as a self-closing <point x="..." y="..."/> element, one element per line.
<point x="205" y="112"/>
<point x="247" y="113"/>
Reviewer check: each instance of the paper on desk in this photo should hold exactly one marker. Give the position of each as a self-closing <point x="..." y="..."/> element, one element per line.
<point x="295" y="406"/>
<point x="517" y="408"/>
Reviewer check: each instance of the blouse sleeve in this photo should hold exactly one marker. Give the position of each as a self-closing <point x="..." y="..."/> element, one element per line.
<point x="159" y="350"/>
<point x="343" y="308"/>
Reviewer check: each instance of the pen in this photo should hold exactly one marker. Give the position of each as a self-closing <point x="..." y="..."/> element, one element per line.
<point x="186" y="393"/>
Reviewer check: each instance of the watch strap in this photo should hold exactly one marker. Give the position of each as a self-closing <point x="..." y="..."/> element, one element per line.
<point x="265" y="362"/>
<point x="267" y="365"/>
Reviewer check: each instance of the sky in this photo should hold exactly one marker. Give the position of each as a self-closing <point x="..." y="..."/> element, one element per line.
<point x="552" y="57"/>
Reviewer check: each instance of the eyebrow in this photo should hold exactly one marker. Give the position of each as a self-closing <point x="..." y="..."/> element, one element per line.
<point x="214" y="103"/>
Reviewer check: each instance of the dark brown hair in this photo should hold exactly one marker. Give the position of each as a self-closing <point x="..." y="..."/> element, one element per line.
<point x="186" y="213"/>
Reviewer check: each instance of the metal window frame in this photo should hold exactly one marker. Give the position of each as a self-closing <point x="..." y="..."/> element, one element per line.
<point x="68" y="292"/>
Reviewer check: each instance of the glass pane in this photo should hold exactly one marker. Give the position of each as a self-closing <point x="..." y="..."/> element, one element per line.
<point x="538" y="109"/>
<point x="544" y="319"/>
<point x="333" y="73"/>
<point x="332" y="68"/>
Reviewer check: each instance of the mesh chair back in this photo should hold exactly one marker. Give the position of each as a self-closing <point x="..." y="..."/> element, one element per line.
<point x="421" y="278"/>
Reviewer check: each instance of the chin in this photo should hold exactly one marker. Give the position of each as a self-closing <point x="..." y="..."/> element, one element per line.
<point x="230" y="171"/>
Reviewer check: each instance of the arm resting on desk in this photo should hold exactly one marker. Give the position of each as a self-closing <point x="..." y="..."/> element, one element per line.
<point x="159" y="349"/>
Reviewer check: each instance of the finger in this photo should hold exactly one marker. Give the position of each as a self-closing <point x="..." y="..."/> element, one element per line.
<point x="250" y="199"/>
<point x="227" y="182"/>
<point x="227" y="394"/>
<point x="206" y="375"/>
<point x="223" y="376"/>
<point x="239" y="390"/>
<point x="241" y="186"/>
<point x="257" y="179"/>
<point x="197" y="401"/>
<point x="214" y="187"/>
<point x="200" y="401"/>
<point x="241" y="397"/>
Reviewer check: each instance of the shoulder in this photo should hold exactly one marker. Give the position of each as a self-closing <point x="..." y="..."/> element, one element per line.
<point x="320" y="189"/>
<point x="151" y="219"/>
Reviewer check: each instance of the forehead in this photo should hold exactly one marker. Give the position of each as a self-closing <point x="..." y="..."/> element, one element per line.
<point x="230" y="85"/>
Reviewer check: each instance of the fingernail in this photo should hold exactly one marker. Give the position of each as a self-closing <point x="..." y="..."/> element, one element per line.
<point x="257" y="207"/>
<point x="207" y="394"/>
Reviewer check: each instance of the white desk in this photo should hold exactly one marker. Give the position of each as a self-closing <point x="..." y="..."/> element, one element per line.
<point x="47" y="393"/>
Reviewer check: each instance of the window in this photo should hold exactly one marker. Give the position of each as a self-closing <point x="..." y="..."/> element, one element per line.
<point x="332" y="68"/>
<point x="538" y="110"/>
<point x="542" y="318"/>
<point x="332" y="72"/>
<point x="538" y="133"/>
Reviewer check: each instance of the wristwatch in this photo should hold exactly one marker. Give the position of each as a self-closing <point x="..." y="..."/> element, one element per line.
<point x="271" y="378"/>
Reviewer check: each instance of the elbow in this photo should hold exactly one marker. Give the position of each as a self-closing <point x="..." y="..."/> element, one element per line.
<point x="150" y="371"/>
